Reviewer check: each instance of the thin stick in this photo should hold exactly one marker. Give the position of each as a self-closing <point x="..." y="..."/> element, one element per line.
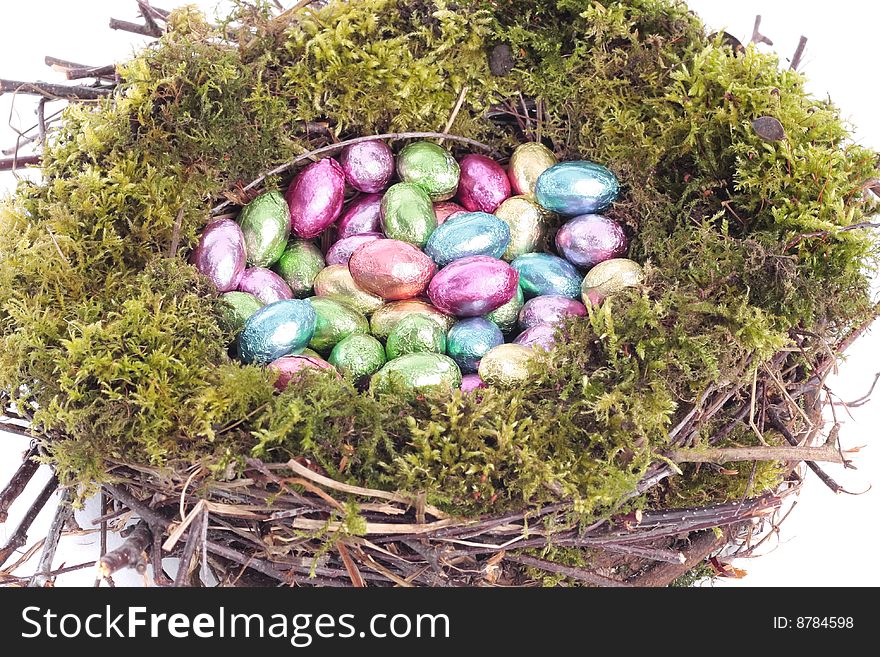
<point x="107" y="72"/>
<point x="864" y="225"/>
<point x="175" y="235"/>
<point x="455" y="111"/>
<point x="757" y="37"/>
<point x="64" y="511"/>
<point x="18" y="482"/>
<point x="134" y="28"/>
<point x="18" y="162"/>
<point x="826" y="454"/>
<point x="53" y="91"/>
<point x="799" y="54"/>
<point x="19" y="536"/>
<point x="193" y="538"/>
<point x="128" y="555"/>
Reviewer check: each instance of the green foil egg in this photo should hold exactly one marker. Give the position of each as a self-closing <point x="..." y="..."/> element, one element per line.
<point x="431" y="167"/>
<point x="506" y="316"/>
<point x="417" y="372"/>
<point x="527" y="222"/>
<point x="358" y="357"/>
<point x="506" y="365"/>
<point x="238" y="308"/>
<point x="609" y="277"/>
<point x="387" y="317"/>
<point x="335" y="282"/>
<point x="265" y="223"/>
<point x="311" y="353"/>
<point x="407" y="214"/>
<point x="299" y="265"/>
<point x="416" y="334"/>
<point x="335" y="321"/>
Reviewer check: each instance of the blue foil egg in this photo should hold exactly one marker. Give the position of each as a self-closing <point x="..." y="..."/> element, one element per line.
<point x="575" y="188"/>
<point x="542" y="274"/>
<point x="468" y="234"/>
<point x="469" y="340"/>
<point x="281" y="328"/>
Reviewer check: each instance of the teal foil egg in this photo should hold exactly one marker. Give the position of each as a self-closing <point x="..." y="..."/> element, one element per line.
<point x="265" y="223"/>
<point x="414" y="334"/>
<point x="334" y="322"/>
<point x="238" y="308"/>
<point x="408" y="214"/>
<point x="469" y="340"/>
<point x="299" y="265"/>
<point x="281" y="328"/>
<point x="468" y="234"/>
<point x="506" y="316"/>
<point x="418" y="372"/>
<point x="431" y="167"/>
<point x="575" y="188"/>
<point x="357" y="357"/>
<point x="542" y="274"/>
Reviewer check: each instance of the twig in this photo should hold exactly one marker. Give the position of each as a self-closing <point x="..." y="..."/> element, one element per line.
<point x="826" y="454"/>
<point x="828" y="233"/>
<point x="146" y="513"/>
<point x="128" y="555"/>
<point x="64" y="511"/>
<point x="149" y="17"/>
<point x="702" y="545"/>
<point x="357" y="580"/>
<point x="580" y="574"/>
<point x="107" y="72"/>
<point x="18" y="482"/>
<point x="455" y="111"/>
<point x="18" y="162"/>
<point x="53" y="91"/>
<point x="193" y="539"/>
<point x="779" y="425"/>
<point x="175" y="235"/>
<point x="135" y="28"/>
<point x="757" y="37"/>
<point x="799" y="54"/>
<point x="19" y="536"/>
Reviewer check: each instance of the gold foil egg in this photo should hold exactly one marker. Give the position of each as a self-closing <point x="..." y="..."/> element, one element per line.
<point x="609" y="277"/>
<point x="336" y="282"/>
<point x="506" y="365"/>
<point x="527" y="223"/>
<point x="527" y="164"/>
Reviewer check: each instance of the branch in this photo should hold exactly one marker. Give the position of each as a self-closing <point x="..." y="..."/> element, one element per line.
<point x="19" y="536"/>
<point x="135" y="28"/>
<point x="757" y="37"/>
<point x="702" y="545"/>
<point x="18" y="482"/>
<point x="827" y="454"/>
<point x="43" y="576"/>
<point x="580" y="574"/>
<point x="19" y="162"/>
<point x="799" y="54"/>
<point x="128" y="555"/>
<point x="53" y="91"/>
<point x="107" y="72"/>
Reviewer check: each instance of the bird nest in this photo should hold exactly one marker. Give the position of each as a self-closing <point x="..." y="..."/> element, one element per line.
<point x="669" y="426"/>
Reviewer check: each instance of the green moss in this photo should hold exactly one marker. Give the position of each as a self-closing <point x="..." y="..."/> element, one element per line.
<point x="122" y="348"/>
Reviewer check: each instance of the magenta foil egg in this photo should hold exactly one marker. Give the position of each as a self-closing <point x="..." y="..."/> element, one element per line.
<point x="289" y="367"/>
<point x="483" y="184"/>
<point x="549" y="309"/>
<point x="474" y="286"/>
<point x="368" y="165"/>
<point x="540" y="335"/>
<point x="589" y="239"/>
<point x="315" y="198"/>
<point x="471" y="382"/>
<point x="264" y="284"/>
<point x="340" y="252"/>
<point x="446" y="210"/>
<point x="363" y="215"/>
<point x="220" y="254"/>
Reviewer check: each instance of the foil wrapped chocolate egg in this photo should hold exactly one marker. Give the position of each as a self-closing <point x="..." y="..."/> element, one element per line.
<point x="507" y="365"/>
<point x="310" y="352"/>
<point x="391" y="269"/>
<point x="469" y="340"/>
<point x="289" y="368"/>
<point x="238" y="308"/>
<point x="609" y="277"/>
<point x="264" y="284"/>
<point x="472" y="382"/>
<point x="265" y="224"/>
<point x="418" y="372"/>
<point x="384" y="320"/>
<point x="527" y="163"/>
<point x="407" y="214"/>
<point x="549" y="309"/>
<point x="220" y="254"/>
<point x="468" y="234"/>
<point x="368" y="165"/>
<point x="363" y="215"/>
<point x="527" y="223"/>
<point x="473" y="286"/>
<point x="358" y="357"/>
<point x="335" y="282"/>
<point x="299" y="265"/>
<point x="315" y="198"/>
<point x="431" y="167"/>
<point x="577" y="187"/>
<point x="276" y="330"/>
<point x="445" y="210"/>
<point x="507" y="315"/>
<point x="589" y="239"/>
<point x="542" y="336"/>
<point x="334" y="321"/>
<point x="413" y="334"/>
<point x="542" y="274"/>
<point x="483" y="185"/>
<point x="340" y="252"/>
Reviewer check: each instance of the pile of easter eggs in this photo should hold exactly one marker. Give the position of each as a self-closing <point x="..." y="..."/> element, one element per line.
<point x="435" y="274"/>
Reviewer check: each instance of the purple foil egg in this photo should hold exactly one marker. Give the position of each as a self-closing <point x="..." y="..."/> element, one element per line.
<point x="220" y="254"/>
<point x="471" y="382"/>
<point x="340" y="252"/>
<point x="549" y="309"/>
<point x="474" y="286"/>
<point x="368" y="165"/>
<point x="363" y="215"/>
<point x="264" y="284"/>
<point x="315" y="198"/>
<point x="483" y="184"/>
<point x="289" y="367"/>
<point x="540" y="335"/>
<point x="589" y="239"/>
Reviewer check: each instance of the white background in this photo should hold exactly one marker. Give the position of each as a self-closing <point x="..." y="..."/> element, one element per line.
<point x="828" y="539"/>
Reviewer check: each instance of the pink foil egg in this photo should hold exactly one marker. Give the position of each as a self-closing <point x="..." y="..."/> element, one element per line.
<point x="340" y="252"/>
<point x="264" y="284"/>
<point x="540" y="335"/>
<point x="549" y="309"/>
<point x="474" y="286"/>
<point x="315" y="198"/>
<point x="391" y="269"/>
<point x="363" y="215"/>
<point x="220" y="254"/>
<point x="483" y="184"/>
<point x="368" y="165"/>
<point x="447" y="209"/>
<point x="471" y="382"/>
<point x="289" y="367"/>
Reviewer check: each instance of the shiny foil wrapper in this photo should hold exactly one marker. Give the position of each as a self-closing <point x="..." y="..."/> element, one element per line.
<point x="544" y="274"/>
<point x="391" y="269"/>
<point x="384" y="320"/>
<point x="363" y="215"/>
<point x="358" y="357"/>
<point x="340" y="252"/>
<point x="431" y="167"/>
<point x="468" y="234"/>
<point x="414" y="334"/>
<point x="577" y="187"/>
<point x="299" y="265"/>
<point x="542" y="336"/>
<point x="527" y="164"/>
<point x="315" y="198"/>
<point x="549" y="309"/>
<point x="609" y="277"/>
<point x="507" y="315"/>
<point x="483" y="185"/>
<point x="368" y="165"/>
<point x="407" y="214"/>
<point x="265" y="223"/>
<point x="335" y="282"/>
<point x="334" y="321"/>
<point x="527" y="222"/>
<point x="589" y="239"/>
<point x="220" y="254"/>
<point x="472" y="382"/>
<point x="446" y="210"/>
<point x="238" y="308"/>
<point x="473" y="286"/>
<point x="419" y="372"/>
<point x="264" y="284"/>
<point x="507" y="365"/>
<point x="279" y="329"/>
<point x="291" y="367"/>
<point x="469" y="340"/>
